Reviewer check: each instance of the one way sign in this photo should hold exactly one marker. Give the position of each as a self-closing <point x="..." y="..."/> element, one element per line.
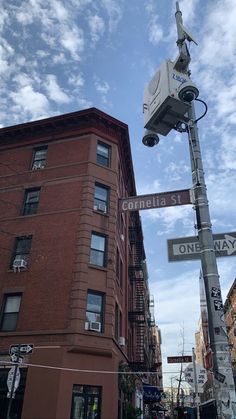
<point x="22" y="348"/>
<point x="188" y="248"/>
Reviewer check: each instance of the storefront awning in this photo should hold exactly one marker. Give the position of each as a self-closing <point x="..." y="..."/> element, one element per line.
<point x="151" y="394"/>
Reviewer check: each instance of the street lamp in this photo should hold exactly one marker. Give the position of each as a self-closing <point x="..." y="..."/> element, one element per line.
<point x="169" y="104"/>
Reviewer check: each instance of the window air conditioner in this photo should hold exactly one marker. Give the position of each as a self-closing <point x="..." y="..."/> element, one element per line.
<point x="121" y="341"/>
<point x="100" y="207"/>
<point x="38" y="165"/>
<point x="96" y="326"/>
<point x="19" y="263"/>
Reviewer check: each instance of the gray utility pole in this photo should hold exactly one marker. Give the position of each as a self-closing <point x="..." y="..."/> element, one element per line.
<point x="223" y="382"/>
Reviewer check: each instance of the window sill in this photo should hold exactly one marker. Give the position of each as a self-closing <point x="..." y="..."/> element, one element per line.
<point x="101" y="268"/>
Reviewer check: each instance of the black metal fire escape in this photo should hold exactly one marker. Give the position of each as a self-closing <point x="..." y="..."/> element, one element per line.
<point x="137" y="303"/>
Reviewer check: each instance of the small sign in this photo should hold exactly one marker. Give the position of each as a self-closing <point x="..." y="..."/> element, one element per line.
<point x="220" y="377"/>
<point x="201" y="376"/>
<point x="158" y="200"/>
<point x="24" y="349"/>
<point x="15" y="358"/>
<point x="11" y="376"/>
<point x="188" y="248"/>
<point x="179" y="359"/>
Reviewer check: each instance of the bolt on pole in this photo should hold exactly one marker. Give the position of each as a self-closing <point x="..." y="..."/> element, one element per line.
<point x="222" y="369"/>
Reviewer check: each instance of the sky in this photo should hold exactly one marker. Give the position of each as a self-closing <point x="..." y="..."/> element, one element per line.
<point x="60" y="56"/>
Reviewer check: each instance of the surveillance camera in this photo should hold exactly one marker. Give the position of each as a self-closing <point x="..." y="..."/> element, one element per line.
<point x="150" y="138"/>
<point x="188" y="91"/>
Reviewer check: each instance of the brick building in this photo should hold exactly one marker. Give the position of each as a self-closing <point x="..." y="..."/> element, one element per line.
<point x="74" y="281"/>
<point x="230" y="322"/>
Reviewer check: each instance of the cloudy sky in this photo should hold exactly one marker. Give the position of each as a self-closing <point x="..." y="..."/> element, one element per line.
<point x="59" y="56"/>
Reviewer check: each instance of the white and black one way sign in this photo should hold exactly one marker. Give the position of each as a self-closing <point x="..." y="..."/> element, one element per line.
<point x="188" y="248"/>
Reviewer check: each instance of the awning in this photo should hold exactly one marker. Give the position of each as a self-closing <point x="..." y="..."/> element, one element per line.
<point x="151" y="394"/>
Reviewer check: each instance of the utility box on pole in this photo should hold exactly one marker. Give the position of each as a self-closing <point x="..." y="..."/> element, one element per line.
<point x="162" y="108"/>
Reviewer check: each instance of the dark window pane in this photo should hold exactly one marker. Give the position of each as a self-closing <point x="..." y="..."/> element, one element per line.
<point x="98" y="247"/>
<point x="31" y="201"/>
<point x="86" y="404"/>
<point x="94" y="303"/>
<point x="39" y="160"/>
<point x="23" y="245"/>
<point x="103" y="152"/>
<point x="101" y="198"/>
<point x="9" y="321"/>
<point x="10" y="312"/>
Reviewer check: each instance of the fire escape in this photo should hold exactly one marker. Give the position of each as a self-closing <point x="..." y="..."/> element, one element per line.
<point x="138" y="301"/>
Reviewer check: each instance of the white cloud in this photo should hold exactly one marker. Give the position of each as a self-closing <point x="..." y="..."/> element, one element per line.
<point x="76" y="80"/>
<point x="30" y="103"/>
<point x="97" y="27"/>
<point x="54" y="91"/>
<point x="155" y="32"/>
<point x="114" y="11"/>
<point x="72" y="40"/>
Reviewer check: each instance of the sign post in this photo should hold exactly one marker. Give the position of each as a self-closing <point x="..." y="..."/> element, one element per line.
<point x="13" y="381"/>
<point x="224" y="391"/>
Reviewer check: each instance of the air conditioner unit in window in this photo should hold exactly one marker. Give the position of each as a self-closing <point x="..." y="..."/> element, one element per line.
<point x="121" y="341"/>
<point x="38" y="165"/>
<point x="100" y="207"/>
<point x="18" y="264"/>
<point x="96" y="326"/>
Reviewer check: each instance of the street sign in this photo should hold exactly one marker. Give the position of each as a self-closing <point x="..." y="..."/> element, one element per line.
<point x="24" y="349"/>
<point x="201" y="376"/>
<point x="179" y="359"/>
<point x="10" y="378"/>
<point x="15" y="358"/>
<point x="158" y="200"/>
<point x="188" y="248"/>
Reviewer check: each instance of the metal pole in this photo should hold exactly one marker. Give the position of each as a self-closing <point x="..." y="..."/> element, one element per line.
<point x="223" y="382"/>
<point x="196" y="401"/>
<point x="13" y="384"/>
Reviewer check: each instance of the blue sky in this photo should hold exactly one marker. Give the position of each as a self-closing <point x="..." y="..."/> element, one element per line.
<point x="60" y="56"/>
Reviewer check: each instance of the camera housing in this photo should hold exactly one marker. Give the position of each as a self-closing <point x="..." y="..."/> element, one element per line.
<point x="188" y="91"/>
<point x="150" y="138"/>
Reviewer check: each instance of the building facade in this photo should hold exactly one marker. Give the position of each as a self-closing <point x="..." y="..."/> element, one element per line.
<point x="74" y="295"/>
<point x="230" y="322"/>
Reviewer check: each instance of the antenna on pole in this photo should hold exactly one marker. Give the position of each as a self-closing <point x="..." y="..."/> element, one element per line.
<point x="183" y="60"/>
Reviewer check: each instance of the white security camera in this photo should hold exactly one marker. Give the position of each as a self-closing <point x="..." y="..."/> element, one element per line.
<point x="188" y="91"/>
<point x="150" y="138"/>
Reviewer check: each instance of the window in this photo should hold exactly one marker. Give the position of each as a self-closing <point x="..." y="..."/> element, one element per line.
<point x="86" y="402"/>
<point x="22" y="249"/>
<point x="100" y="198"/>
<point x="10" y="312"/>
<point x="103" y="154"/>
<point x="94" y="311"/>
<point x="39" y="159"/>
<point x="31" y="201"/>
<point x="98" y="250"/>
